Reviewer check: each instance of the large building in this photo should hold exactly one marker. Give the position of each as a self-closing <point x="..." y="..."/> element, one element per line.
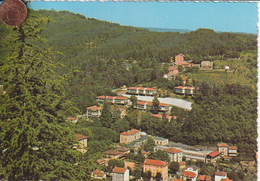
<point x="149" y="106"/>
<point x="174" y="154"/>
<point x="130" y="136"/>
<point x="225" y="150"/>
<point x="156" y="166"/>
<point x="213" y="157"/>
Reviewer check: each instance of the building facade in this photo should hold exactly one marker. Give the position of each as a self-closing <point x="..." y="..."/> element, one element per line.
<point x="130" y="136"/>
<point x="120" y="174"/>
<point x="83" y="143"/>
<point x="156" y="166"/>
<point x="93" y="112"/>
<point x="206" y="65"/>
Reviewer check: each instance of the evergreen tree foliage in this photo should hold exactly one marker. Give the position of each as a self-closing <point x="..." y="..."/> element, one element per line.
<point x="106" y="116"/>
<point x="156" y="104"/>
<point x="34" y="145"/>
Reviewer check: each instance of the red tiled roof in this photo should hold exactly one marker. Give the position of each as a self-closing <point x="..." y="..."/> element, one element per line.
<point x="172" y="150"/>
<point x="179" y="87"/>
<point x="141" y="88"/>
<point x="145" y="153"/>
<point x="232" y="147"/>
<point x="177" y="180"/>
<point x="203" y="178"/>
<point x="94" y="107"/>
<point x="149" y="103"/>
<point x="119" y="170"/>
<point x="151" y="89"/>
<point x="98" y="173"/>
<point x="130" y="132"/>
<point x="222" y="145"/>
<point x="163" y="104"/>
<point x="157" y="115"/>
<point x="155" y="162"/>
<point x="119" y="97"/>
<point x="189" y="174"/>
<point x="80" y="137"/>
<point x="110" y="97"/>
<point x="141" y="103"/>
<point x="101" y="97"/>
<point x="132" y="88"/>
<point x="220" y="173"/>
<point x="182" y="163"/>
<point x="190" y="88"/>
<point x="214" y="154"/>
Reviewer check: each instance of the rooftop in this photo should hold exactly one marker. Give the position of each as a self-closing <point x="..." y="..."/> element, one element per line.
<point x="155" y="162"/>
<point x="189" y="174"/>
<point x="222" y="145"/>
<point x="130" y="132"/>
<point x="214" y="154"/>
<point x="232" y="147"/>
<point x="94" y="108"/>
<point x="80" y="137"/>
<point x="113" y="152"/>
<point x="172" y="150"/>
<point x="119" y="170"/>
<point x="159" y="138"/>
<point x="98" y="173"/>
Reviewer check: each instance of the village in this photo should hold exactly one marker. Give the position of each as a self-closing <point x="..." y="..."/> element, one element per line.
<point x="180" y="162"/>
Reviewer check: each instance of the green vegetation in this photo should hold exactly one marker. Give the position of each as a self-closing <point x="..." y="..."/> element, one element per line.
<point x="34" y="143"/>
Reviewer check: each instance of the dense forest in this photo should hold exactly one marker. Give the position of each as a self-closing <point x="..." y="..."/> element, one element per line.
<point x="95" y="57"/>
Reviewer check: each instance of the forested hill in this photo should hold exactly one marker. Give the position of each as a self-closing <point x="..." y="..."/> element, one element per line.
<point x="96" y="52"/>
<point x="81" y="38"/>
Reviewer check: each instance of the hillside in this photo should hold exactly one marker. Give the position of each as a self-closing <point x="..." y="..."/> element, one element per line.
<point x="103" y="55"/>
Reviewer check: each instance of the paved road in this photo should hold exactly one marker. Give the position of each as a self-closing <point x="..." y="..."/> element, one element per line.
<point x="167" y="100"/>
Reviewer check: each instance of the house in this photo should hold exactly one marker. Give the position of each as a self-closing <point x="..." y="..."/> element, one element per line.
<point x="130" y="136"/>
<point x="204" y="178"/>
<point x="174" y="154"/>
<point x="83" y="142"/>
<point x="120" y="174"/>
<point x="222" y="148"/>
<point x="212" y="157"/>
<point x="119" y="100"/>
<point x="93" y="112"/>
<point x="179" y="59"/>
<point x="131" y="165"/>
<point x="160" y="141"/>
<point x="206" y="65"/>
<point x="232" y="151"/>
<point x="72" y="119"/>
<point x="156" y="166"/>
<point x="220" y="175"/>
<point x="97" y="174"/>
<point x="190" y="173"/>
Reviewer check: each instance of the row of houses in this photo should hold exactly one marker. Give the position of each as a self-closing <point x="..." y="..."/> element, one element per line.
<point x="148" y="106"/>
<point x="141" y="91"/>
<point x="118" y="100"/>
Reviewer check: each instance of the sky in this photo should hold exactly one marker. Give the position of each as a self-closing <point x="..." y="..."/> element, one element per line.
<point x="225" y="17"/>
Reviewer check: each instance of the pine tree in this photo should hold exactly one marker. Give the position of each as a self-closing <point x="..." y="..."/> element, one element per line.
<point x="106" y="116"/>
<point x="156" y="104"/>
<point x="33" y="143"/>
